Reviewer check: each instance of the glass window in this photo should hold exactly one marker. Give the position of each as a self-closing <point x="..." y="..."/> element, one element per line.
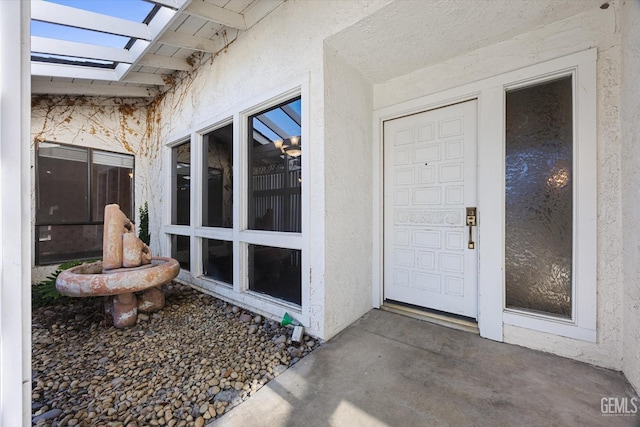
<point x="181" y="190"/>
<point x="60" y="243"/>
<point x="181" y="250"/>
<point x="217" y="188"/>
<point x="276" y="272"/>
<point x="63" y="184"/>
<point x="275" y="154"/>
<point x="217" y="260"/>
<point x="112" y="179"/>
<point x="539" y="197"/>
<point x="73" y="185"/>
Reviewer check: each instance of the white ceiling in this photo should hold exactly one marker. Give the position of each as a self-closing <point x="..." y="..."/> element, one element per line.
<point x="179" y="29"/>
<point x="408" y="35"/>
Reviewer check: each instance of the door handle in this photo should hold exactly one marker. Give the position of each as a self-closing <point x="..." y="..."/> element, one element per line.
<point x="471" y="222"/>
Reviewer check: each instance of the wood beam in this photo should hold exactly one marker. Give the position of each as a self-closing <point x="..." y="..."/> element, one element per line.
<point x="188" y="42"/>
<point x="79" y="50"/>
<point x="144" y="78"/>
<point x="217" y="14"/>
<point x="55" y="88"/>
<point x="78" y="18"/>
<point x="72" y="71"/>
<point x="167" y="62"/>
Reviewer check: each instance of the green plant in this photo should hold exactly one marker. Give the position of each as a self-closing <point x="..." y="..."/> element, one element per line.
<point x="45" y="292"/>
<point x="143" y="230"/>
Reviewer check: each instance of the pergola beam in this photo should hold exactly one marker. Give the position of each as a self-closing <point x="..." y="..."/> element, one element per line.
<point x="56" y="88"/>
<point x="217" y="14"/>
<point x="189" y="42"/>
<point x="79" y="50"/>
<point x="167" y="62"/>
<point x="70" y="16"/>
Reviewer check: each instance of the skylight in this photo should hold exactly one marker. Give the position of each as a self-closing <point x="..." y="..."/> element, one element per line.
<point x="131" y="10"/>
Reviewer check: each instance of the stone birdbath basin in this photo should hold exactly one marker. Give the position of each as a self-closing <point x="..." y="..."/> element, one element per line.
<point x="127" y="268"/>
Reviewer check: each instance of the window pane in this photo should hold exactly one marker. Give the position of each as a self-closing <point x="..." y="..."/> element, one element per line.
<point x="539" y="231"/>
<point x="181" y="199"/>
<point x="217" y="191"/>
<point x="181" y="251"/>
<point x="58" y="243"/>
<point x="111" y="182"/>
<point x="275" y="154"/>
<point x="63" y="184"/>
<point x="275" y="272"/>
<point x="217" y="260"/>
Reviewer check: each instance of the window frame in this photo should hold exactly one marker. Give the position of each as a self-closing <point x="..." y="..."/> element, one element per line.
<point x="89" y="201"/>
<point x="240" y="235"/>
<point x="490" y="92"/>
<point x="582" y="324"/>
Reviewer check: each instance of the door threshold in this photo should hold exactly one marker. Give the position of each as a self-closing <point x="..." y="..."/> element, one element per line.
<point x="426" y="315"/>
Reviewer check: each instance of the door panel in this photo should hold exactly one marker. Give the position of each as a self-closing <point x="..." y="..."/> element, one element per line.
<point x="429" y="178"/>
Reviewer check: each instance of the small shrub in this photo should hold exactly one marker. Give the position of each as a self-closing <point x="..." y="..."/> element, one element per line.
<point x="45" y="292"/>
<point x="143" y="230"/>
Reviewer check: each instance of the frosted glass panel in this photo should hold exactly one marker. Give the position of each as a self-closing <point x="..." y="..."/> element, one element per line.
<point x="539" y="186"/>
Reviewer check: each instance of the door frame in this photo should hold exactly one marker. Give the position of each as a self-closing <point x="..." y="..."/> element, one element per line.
<point x="469" y="110"/>
<point x="490" y="93"/>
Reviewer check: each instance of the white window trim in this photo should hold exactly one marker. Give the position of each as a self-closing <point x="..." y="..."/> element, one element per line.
<point x="240" y="235"/>
<point x="490" y="92"/>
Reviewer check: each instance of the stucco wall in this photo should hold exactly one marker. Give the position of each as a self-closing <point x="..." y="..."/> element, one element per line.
<point x="286" y="45"/>
<point x="113" y="124"/>
<point x="348" y="195"/>
<point x="593" y="28"/>
<point x="630" y="112"/>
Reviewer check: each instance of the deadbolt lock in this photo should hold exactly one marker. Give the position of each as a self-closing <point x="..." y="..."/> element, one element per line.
<point x="471" y="217"/>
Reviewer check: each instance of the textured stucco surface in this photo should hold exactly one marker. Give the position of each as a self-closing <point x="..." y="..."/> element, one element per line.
<point x="114" y="124"/>
<point x="630" y="112"/>
<point x="344" y="46"/>
<point x="408" y="35"/>
<point x="286" y="45"/>
<point x="348" y="197"/>
<point x="593" y="28"/>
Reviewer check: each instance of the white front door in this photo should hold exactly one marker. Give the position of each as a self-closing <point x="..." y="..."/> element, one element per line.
<point x="430" y="168"/>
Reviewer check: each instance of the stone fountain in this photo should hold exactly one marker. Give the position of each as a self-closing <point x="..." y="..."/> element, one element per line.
<point x="127" y="268"/>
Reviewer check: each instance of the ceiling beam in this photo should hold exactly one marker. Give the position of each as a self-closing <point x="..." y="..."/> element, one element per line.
<point x="217" y="14"/>
<point x="157" y="27"/>
<point x="167" y="62"/>
<point x="55" y="88"/>
<point x="144" y="78"/>
<point x="188" y="42"/>
<point x="70" y="16"/>
<point x="79" y="50"/>
<point x="89" y="73"/>
<point x="72" y="71"/>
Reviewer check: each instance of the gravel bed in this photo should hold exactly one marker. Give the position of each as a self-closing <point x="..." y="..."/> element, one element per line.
<point x="182" y="366"/>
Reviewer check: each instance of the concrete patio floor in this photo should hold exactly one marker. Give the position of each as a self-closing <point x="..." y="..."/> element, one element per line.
<point x="391" y="370"/>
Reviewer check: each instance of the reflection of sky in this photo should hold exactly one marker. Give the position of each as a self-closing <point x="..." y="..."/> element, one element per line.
<point x="133" y="10"/>
<point x="282" y="120"/>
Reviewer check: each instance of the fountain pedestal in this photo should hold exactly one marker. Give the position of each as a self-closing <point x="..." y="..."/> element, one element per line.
<point x="127" y="268"/>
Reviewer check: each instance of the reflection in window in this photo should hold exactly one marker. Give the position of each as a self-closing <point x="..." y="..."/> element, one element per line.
<point x="111" y="182"/>
<point x="539" y="191"/>
<point x="180" y="250"/>
<point x="217" y="260"/>
<point x="276" y="272"/>
<point x="73" y="185"/>
<point x="275" y="155"/>
<point x="217" y="190"/>
<point x="181" y="158"/>
<point x="63" y="184"/>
